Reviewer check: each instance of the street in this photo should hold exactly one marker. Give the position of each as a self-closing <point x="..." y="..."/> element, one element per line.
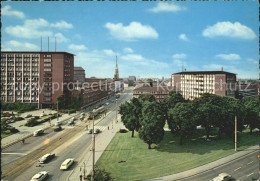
<point x="245" y="168"/>
<point x="69" y="143"/>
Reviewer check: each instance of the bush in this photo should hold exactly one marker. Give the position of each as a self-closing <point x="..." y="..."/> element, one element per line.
<point x="100" y="175"/>
<point x="17" y="106"/>
<point x="123" y="131"/>
<point x="32" y="122"/>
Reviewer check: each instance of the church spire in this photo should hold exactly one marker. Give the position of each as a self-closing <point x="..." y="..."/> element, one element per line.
<point x="116" y="75"/>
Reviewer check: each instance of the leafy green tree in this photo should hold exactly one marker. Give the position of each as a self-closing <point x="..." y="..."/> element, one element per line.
<point x="169" y="102"/>
<point x="252" y="110"/>
<point x="182" y="120"/>
<point x="130" y="83"/>
<point x="152" y="123"/>
<point x="208" y="109"/>
<point x="147" y="97"/>
<point x="100" y="175"/>
<point x="61" y="102"/>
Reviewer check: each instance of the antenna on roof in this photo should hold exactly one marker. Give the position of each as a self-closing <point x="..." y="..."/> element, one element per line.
<point x="55" y="44"/>
<point x="41" y="43"/>
<point x="182" y="67"/>
<point x="48" y="44"/>
<point x="222" y="68"/>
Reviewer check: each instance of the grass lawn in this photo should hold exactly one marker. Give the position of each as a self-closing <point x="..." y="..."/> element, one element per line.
<point x="168" y="157"/>
<point x="6" y="133"/>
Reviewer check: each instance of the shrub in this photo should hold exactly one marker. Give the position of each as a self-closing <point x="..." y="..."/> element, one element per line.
<point x="32" y="122"/>
<point x="123" y="131"/>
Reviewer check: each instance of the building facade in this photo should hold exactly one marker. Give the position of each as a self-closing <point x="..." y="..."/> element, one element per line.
<point x="36" y="77"/>
<point x="247" y="90"/>
<point x="79" y="75"/>
<point x="159" y="92"/>
<point x="193" y="84"/>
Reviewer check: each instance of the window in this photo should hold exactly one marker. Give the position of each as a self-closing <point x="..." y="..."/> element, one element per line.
<point x="47" y="70"/>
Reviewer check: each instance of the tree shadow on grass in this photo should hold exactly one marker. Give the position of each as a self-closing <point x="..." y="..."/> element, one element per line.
<point x="198" y="144"/>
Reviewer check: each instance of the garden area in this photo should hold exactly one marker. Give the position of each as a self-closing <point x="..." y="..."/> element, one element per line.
<point x="128" y="158"/>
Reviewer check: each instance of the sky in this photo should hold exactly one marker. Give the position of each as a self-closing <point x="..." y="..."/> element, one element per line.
<point x="150" y="39"/>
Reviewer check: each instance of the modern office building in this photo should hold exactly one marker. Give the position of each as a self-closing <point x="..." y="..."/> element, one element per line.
<point x="36" y="77"/>
<point x="193" y="84"/>
<point x="79" y="74"/>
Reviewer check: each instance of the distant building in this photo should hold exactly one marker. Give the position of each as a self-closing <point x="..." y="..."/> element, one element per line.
<point x="248" y="90"/>
<point x="119" y="83"/>
<point x="159" y="92"/>
<point x="79" y="74"/>
<point x="133" y="78"/>
<point x="193" y="84"/>
<point x="36" y="77"/>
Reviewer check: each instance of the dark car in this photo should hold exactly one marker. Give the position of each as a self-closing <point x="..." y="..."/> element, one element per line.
<point x="46" y="158"/>
<point x="57" y="128"/>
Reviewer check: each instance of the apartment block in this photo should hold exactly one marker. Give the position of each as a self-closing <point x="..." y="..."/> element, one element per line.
<point x="79" y="74"/>
<point x="193" y="84"/>
<point x="36" y="77"/>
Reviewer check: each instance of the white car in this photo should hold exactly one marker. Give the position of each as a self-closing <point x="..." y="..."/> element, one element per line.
<point x="67" y="163"/>
<point x="28" y="116"/>
<point x="43" y="114"/>
<point x="223" y="177"/>
<point x="40" y="176"/>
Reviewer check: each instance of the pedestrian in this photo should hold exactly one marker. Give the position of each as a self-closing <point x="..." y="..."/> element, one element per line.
<point x="108" y="127"/>
<point x="23" y="141"/>
<point x="80" y="177"/>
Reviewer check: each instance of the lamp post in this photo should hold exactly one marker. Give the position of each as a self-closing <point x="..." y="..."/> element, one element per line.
<point x="93" y="150"/>
<point x="116" y="110"/>
<point x="57" y="110"/>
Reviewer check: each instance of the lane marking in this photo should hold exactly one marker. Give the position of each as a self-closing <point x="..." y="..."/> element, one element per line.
<point x="14" y="153"/>
<point x="250" y="162"/>
<point x="237" y="169"/>
<point x="250" y="174"/>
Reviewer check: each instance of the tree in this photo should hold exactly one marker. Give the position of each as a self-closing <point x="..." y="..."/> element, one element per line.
<point x="61" y="102"/>
<point x="208" y="109"/>
<point x="100" y="175"/>
<point x="152" y="123"/>
<point x="130" y="83"/>
<point x="169" y="102"/>
<point x="131" y="114"/>
<point x="147" y="97"/>
<point x="182" y="120"/>
<point x="252" y="109"/>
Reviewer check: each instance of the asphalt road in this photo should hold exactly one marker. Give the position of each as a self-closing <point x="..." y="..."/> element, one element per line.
<point x="246" y="168"/>
<point x="76" y="148"/>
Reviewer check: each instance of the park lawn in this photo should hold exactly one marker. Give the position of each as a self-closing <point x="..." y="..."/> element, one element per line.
<point x="5" y="134"/>
<point x="168" y="157"/>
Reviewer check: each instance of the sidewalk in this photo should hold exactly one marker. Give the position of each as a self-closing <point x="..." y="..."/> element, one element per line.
<point x="100" y="145"/>
<point x="208" y="166"/>
<point x="26" y="132"/>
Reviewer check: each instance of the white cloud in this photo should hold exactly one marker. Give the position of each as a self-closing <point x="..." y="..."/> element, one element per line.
<point x="62" y="25"/>
<point x="166" y="7"/>
<point x="19" y="46"/>
<point x="61" y="38"/>
<point x="228" y="29"/>
<point x="6" y="11"/>
<point x="30" y="29"/>
<point x="109" y="52"/>
<point x="133" y="31"/>
<point x="231" y="56"/>
<point x="183" y="37"/>
<point x="77" y="47"/>
<point x="179" y="56"/>
<point x="128" y="50"/>
<point x="251" y="60"/>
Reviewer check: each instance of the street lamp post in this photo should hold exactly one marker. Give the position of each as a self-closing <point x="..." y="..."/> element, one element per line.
<point x="93" y="150"/>
<point x="57" y="110"/>
<point x="116" y="111"/>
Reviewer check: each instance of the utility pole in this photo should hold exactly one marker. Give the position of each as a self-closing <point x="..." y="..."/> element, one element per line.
<point x="116" y="111"/>
<point x="235" y="133"/>
<point x="93" y="150"/>
<point x="57" y="110"/>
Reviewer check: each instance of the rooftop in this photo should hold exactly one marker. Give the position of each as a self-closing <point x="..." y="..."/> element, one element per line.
<point x="154" y="88"/>
<point x="50" y="52"/>
<point x="79" y="69"/>
<point x="204" y="72"/>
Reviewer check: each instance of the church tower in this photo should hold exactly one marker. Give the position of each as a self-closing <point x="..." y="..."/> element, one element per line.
<point x="116" y="75"/>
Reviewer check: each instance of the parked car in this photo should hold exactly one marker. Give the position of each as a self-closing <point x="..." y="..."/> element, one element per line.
<point x="46" y="158"/>
<point x="97" y="131"/>
<point x="90" y="131"/>
<point x="57" y="128"/>
<point x="43" y="114"/>
<point x="223" y="177"/>
<point x="70" y="123"/>
<point x="67" y="163"/>
<point x="107" y="103"/>
<point x="28" y="116"/>
<point x="40" y="176"/>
